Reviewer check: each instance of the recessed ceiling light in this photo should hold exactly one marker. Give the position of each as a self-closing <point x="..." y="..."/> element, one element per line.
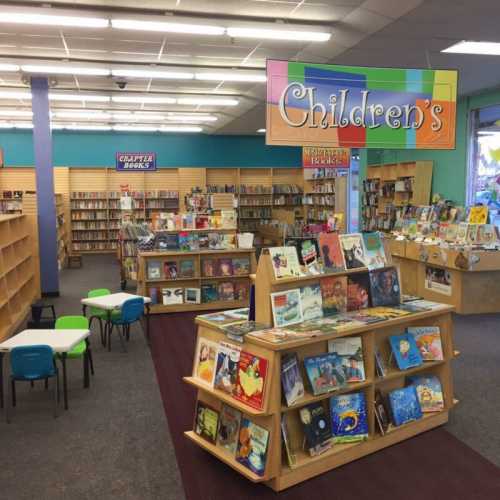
<point x="9" y="67"/>
<point x="478" y="48"/>
<point x="261" y="131"/>
<point x="232" y="77"/>
<point x="143" y="73"/>
<point x="143" y="99"/>
<point x="192" y="29"/>
<point x="16" y="94"/>
<point x="273" y="34"/>
<point x="53" y="20"/>
<point x="65" y="70"/>
<point x="207" y="101"/>
<point x="79" y="97"/>
<point x="16" y="112"/>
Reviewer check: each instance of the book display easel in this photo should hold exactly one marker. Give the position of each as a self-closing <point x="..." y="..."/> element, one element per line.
<point x="19" y="285"/>
<point x="273" y="444"/>
<point x="388" y="188"/>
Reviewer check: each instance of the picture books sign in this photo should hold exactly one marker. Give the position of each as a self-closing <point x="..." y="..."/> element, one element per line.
<point x="135" y="162"/>
<point x="318" y="157"/>
<point x="347" y="106"/>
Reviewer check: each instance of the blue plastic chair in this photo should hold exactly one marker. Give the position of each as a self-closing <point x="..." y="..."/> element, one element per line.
<point x="132" y="311"/>
<point x="30" y="363"/>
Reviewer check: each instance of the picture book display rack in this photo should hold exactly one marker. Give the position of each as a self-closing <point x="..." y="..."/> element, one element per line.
<point x="469" y="280"/>
<point x="278" y="472"/>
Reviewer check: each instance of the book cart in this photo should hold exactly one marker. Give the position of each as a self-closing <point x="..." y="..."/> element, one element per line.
<point x="144" y="284"/>
<point x="473" y="276"/>
<point x="278" y="474"/>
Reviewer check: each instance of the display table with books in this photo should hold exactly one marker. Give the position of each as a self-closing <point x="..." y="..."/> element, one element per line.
<point x="324" y="375"/>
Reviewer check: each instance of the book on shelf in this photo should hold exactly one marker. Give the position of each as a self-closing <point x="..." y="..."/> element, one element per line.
<point x="192" y="295"/>
<point x="349" y="417"/>
<point x="382" y="412"/>
<point x="384" y="287"/>
<point x="226" y="371"/>
<point x="153" y="295"/>
<point x="290" y="455"/>
<point x="311" y="302"/>
<point x="225" y="267"/>
<point x="405" y="406"/>
<point x="186" y="268"/>
<point x="375" y="257"/>
<point x="206" y="422"/>
<point x="205" y="360"/>
<point x="252" y="446"/>
<point x="358" y="291"/>
<point x="380" y="364"/>
<point x="241" y="291"/>
<point x="334" y="294"/>
<point x="226" y="291"/>
<point x="209" y="293"/>
<point x="405" y="351"/>
<point x="170" y="270"/>
<point x="429" y="392"/>
<point x="286" y="307"/>
<point x="291" y="379"/>
<point x="285" y="262"/>
<point x="478" y="215"/>
<point x="353" y="250"/>
<point x="220" y="319"/>
<point x="325" y="373"/>
<point x="229" y="427"/>
<point x="350" y="351"/>
<point x="172" y="296"/>
<point x="238" y="331"/>
<point x="154" y="270"/>
<point x="317" y="428"/>
<point x="331" y="252"/>
<point x="208" y="268"/>
<point x="428" y="340"/>
<point x="251" y="380"/>
<point x="241" y="266"/>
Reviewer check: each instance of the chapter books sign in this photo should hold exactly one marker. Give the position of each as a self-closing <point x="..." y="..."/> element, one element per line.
<point x="346" y="106"/>
<point x="135" y="162"/>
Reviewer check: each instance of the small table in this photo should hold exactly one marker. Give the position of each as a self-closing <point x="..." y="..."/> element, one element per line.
<point x="61" y="341"/>
<point x="114" y="302"/>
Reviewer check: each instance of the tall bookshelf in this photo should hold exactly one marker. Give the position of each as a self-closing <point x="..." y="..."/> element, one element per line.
<point x="388" y="188"/>
<point x="279" y="473"/>
<point x="62" y="232"/>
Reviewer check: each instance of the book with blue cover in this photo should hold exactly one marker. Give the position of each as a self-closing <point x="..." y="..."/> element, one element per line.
<point x="252" y="446"/>
<point x="405" y="351"/>
<point x="291" y="379"/>
<point x="429" y="392"/>
<point x="349" y="418"/>
<point x="325" y="373"/>
<point x="405" y="406"/>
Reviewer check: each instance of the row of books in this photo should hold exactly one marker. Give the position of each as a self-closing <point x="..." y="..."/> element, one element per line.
<point x="255" y="189"/>
<point x="75" y="216"/>
<point x="255" y="202"/>
<point x="255" y="213"/>
<point x="324" y="188"/>
<point x="94" y="245"/>
<point x="80" y="235"/>
<point x="185" y="241"/>
<point x="286" y="189"/>
<point x="172" y="270"/>
<point x="216" y="188"/>
<point x="90" y="225"/>
<point x="225" y="291"/>
<point x="281" y="200"/>
<point x="170" y="221"/>
<point x="89" y="204"/>
<point x="319" y="200"/>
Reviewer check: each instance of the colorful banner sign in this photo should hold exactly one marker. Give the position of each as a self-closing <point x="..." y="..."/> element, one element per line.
<point x="347" y="106"/>
<point x="326" y="157"/>
<point x="135" y="162"/>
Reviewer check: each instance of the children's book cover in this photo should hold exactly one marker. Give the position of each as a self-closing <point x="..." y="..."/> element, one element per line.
<point x="428" y="339"/>
<point x="252" y="446"/>
<point x="209" y="293"/>
<point x="172" y="242"/>
<point x="286" y="307"/>
<point x="203" y="241"/>
<point x="184" y="241"/>
<point x="172" y="296"/>
<point x="451" y="232"/>
<point x="205" y="359"/>
<point x="241" y="291"/>
<point x="290" y="455"/>
<point x="382" y="412"/>
<point x="291" y="379"/>
<point x="229" y="241"/>
<point x="471" y="237"/>
<point x="350" y="351"/>
<point x="349" y="418"/>
<point x="316" y="425"/>
<point x="405" y="406"/>
<point x="192" y="295"/>
<point x="154" y="270"/>
<point x="486" y="234"/>
<point x="325" y="373"/>
<point x="462" y="232"/>
<point x="251" y="380"/>
<point x="229" y="427"/>
<point x="285" y="262"/>
<point x="170" y="270"/>
<point x="334" y="294"/>
<point x="206" y="422"/>
<point x="311" y="302"/>
<point x="354" y="250"/>
<point x="405" y="351"/>
<point x="153" y="295"/>
<point x="478" y="215"/>
<point x="208" y="267"/>
<point x="226" y="370"/>
<point x="384" y="287"/>
<point x="241" y="266"/>
<point x="186" y="269"/>
<point x="380" y="364"/>
<point x="358" y="291"/>
<point x="215" y="241"/>
<point x="194" y="244"/>
<point x="220" y="319"/>
<point x="331" y="252"/>
<point x="374" y="251"/>
<point x="226" y="291"/>
<point x="225" y="267"/>
<point x="429" y="392"/>
<point x="308" y="254"/>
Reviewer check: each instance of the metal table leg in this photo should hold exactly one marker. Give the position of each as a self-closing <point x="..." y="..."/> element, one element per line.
<point x="86" y="377"/>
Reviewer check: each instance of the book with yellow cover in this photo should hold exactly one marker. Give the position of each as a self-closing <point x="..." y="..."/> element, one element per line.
<point x="478" y="215"/>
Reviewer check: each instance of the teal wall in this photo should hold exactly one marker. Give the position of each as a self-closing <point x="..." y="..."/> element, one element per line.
<point x="90" y="149"/>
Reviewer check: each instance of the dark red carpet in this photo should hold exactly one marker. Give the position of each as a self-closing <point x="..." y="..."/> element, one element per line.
<point x="434" y="465"/>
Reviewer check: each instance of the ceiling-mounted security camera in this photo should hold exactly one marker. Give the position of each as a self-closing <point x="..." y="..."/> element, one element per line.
<point x="121" y="84"/>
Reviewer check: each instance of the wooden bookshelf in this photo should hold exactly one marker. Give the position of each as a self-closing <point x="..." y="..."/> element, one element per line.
<point x="278" y="473"/>
<point x="144" y="285"/>
<point x="18" y="281"/>
<point x="388" y="188"/>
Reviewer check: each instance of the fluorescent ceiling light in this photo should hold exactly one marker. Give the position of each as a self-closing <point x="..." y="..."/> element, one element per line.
<point x="232" y="77"/>
<point x="16" y="112"/>
<point x="8" y="67"/>
<point x="86" y="127"/>
<point x="261" y="131"/>
<point x="16" y="94"/>
<point x="65" y="70"/>
<point x="207" y="101"/>
<point x="53" y="20"/>
<point x="274" y="34"/>
<point x="192" y="29"/>
<point x="91" y="115"/>
<point x="137" y="116"/>
<point x="144" y="73"/>
<point x="191" y="118"/>
<point x="141" y="100"/>
<point x="478" y="48"/>
<point x="79" y="97"/>
<point x="134" y="128"/>
<point x="180" y="129"/>
<point x="25" y="125"/>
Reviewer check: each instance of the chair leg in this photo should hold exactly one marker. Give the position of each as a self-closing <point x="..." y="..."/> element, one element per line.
<point x="13" y="387"/>
<point x="91" y="361"/>
<point x="128" y="333"/>
<point x="102" y="331"/>
<point x="32" y="384"/>
<point x="110" y="330"/>
<point x="56" y="394"/>
<point x="7" y="404"/>
<point x="46" y="383"/>
<point x="58" y="387"/>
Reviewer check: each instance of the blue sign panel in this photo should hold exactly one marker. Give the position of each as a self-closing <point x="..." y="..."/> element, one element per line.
<point x="135" y="162"/>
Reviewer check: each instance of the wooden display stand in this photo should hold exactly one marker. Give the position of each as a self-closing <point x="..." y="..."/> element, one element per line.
<point x="475" y="288"/>
<point x="278" y="473"/>
<point x="144" y="285"/>
<point x="19" y="285"/>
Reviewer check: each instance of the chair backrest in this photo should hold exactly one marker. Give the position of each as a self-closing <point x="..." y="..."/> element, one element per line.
<point x="72" y="323"/>
<point x="132" y="309"/>
<point x="32" y="361"/>
<point x="97" y="292"/>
